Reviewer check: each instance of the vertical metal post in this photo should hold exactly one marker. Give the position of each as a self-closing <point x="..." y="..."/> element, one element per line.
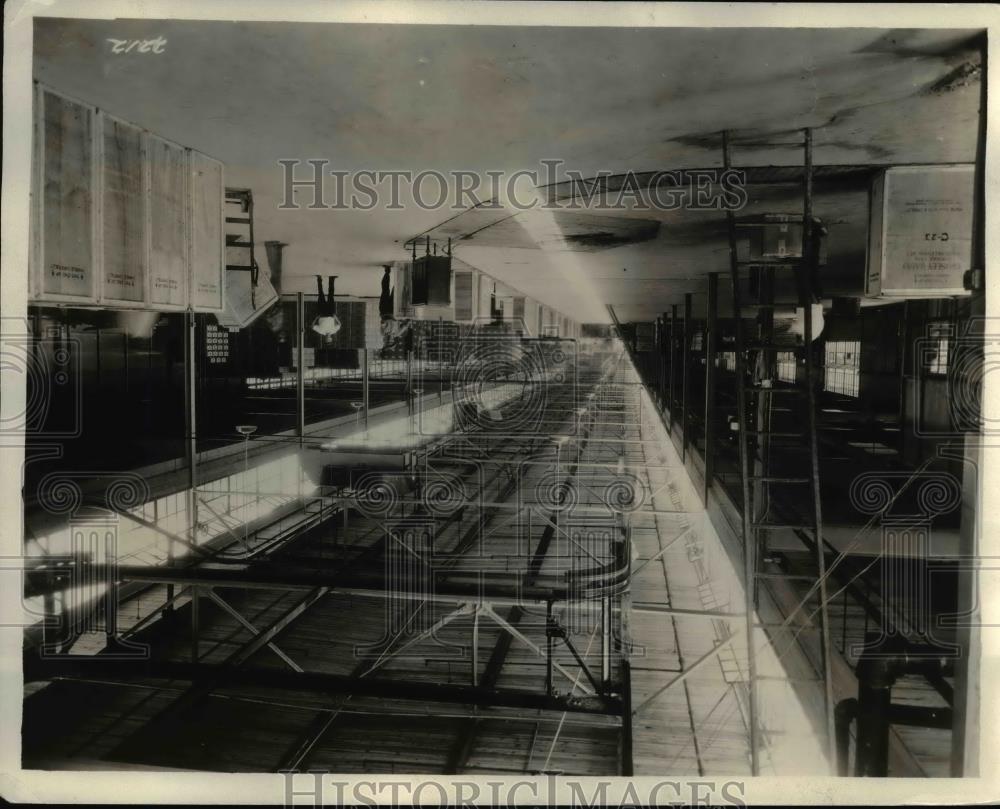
<point x="711" y="328"/>
<point x="111" y="592"/>
<point x="364" y="384"/>
<point x="685" y="374"/>
<point x="627" y="768"/>
<point x="965" y="748"/>
<point x="195" y="628"/>
<point x="528" y="546"/>
<point x="824" y="616"/>
<point x="903" y="333"/>
<point x="191" y="397"/>
<point x="300" y="379"/>
<point x="548" y="646"/>
<point x="475" y="646"/>
<point x="749" y="556"/>
<point x="658" y="351"/>
<point x="50" y="622"/>
<point x="965" y="738"/>
<point x="605" y="641"/>
<point x="664" y="348"/>
<point x="190" y="431"/>
<point x="670" y="365"/>
<point x="409" y="382"/>
<point x="873" y="731"/>
<point x="441" y="354"/>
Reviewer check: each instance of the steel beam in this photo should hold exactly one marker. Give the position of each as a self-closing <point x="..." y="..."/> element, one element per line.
<point x="229" y="608"/>
<point x="487" y="610"/>
<point x="210" y="673"/>
<point x="462" y="611"/>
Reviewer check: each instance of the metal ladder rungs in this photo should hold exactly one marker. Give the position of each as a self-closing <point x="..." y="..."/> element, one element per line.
<point x="759" y="298"/>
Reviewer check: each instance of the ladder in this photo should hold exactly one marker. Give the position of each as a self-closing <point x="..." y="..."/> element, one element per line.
<point x="767" y="486"/>
<point x="240" y="254"/>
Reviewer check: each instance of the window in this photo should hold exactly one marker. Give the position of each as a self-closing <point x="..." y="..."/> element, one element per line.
<point x="786" y="366"/>
<point x="938" y="344"/>
<point x="842" y="367"/>
<point x="729" y="360"/>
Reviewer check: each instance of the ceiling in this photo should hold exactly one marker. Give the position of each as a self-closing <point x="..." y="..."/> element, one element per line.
<point x="495" y="98"/>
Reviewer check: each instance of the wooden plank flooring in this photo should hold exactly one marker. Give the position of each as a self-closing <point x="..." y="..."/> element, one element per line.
<point x="697" y="727"/>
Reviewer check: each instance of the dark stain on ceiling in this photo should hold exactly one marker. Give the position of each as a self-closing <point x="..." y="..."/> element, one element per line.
<point x="626" y="231"/>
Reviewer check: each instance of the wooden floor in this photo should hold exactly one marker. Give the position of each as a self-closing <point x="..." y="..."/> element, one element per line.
<point x="543" y="512"/>
<point x="234" y="728"/>
<point x="697" y="726"/>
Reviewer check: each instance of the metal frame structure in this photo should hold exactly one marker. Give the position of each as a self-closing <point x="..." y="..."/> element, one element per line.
<point x="756" y="484"/>
<point x="201" y="578"/>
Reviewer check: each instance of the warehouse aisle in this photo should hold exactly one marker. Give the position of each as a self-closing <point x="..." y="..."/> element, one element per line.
<point x="696" y="719"/>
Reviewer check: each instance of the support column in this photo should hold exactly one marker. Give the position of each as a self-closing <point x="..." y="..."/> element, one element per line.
<point x="195" y="623"/>
<point x="605" y="642"/>
<point x="965" y="732"/>
<point x="711" y="328"/>
<point x="300" y="378"/>
<point x="749" y="562"/>
<point x="685" y="373"/>
<point x="627" y="768"/>
<point x="409" y="382"/>
<point x="364" y="383"/>
<point x="671" y="404"/>
<point x="659" y="360"/>
<point x="190" y="433"/>
<point x="664" y="343"/>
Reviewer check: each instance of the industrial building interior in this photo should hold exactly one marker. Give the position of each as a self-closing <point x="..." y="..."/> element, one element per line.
<point x="623" y="490"/>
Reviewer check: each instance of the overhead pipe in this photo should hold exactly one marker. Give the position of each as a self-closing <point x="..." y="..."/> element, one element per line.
<point x="877" y="671"/>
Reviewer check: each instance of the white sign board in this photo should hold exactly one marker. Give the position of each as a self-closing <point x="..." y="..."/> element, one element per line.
<point x="920" y="237"/>
<point x="120" y="217"/>
<point x="206" y="284"/>
<point x="168" y="211"/>
<point x="63" y="269"/>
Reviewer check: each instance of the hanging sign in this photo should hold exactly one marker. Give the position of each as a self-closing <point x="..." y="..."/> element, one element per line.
<point x="920" y="235"/>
